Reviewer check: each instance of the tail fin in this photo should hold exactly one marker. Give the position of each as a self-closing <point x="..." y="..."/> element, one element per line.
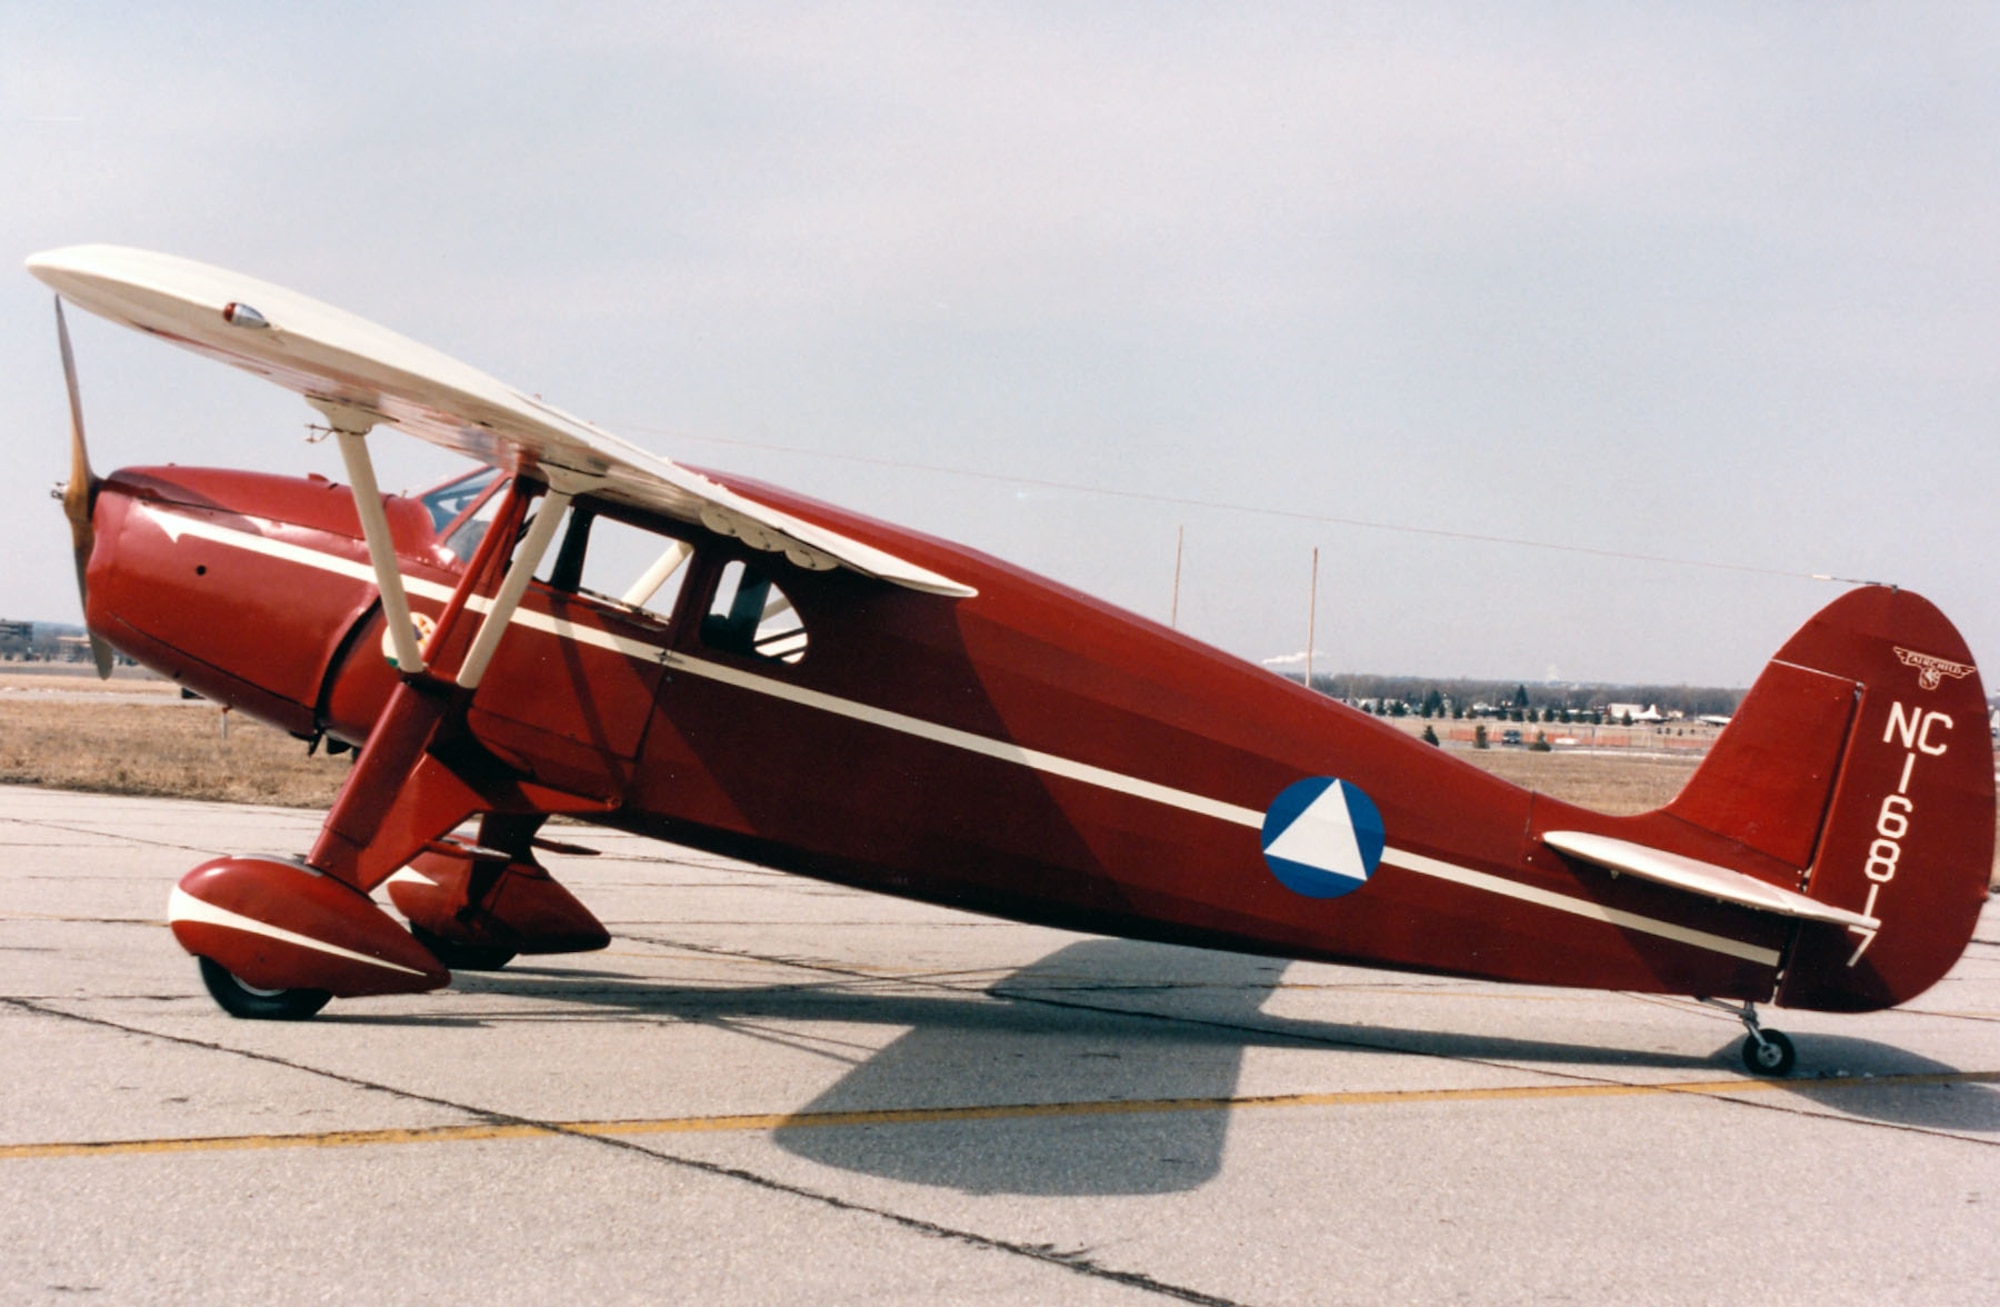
<point x="1862" y="756"/>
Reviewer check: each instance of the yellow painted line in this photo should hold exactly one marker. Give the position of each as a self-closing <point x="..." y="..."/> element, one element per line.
<point x="244" y="1143"/>
<point x="929" y="1115"/>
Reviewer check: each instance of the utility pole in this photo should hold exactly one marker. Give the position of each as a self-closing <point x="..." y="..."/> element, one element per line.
<point x="1174" y="614"/>
<point x="1312" y="617"/>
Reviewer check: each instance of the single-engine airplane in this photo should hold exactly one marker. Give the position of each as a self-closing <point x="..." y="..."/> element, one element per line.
<point x="580" y="627"/>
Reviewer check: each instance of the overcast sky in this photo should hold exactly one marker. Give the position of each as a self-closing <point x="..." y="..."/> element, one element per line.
<point x="1719" y="283"/>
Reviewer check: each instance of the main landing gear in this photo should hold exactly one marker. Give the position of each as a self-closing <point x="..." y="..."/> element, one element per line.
<point x="1765" y="1052"/>
<point x="241" y="999"/>
<point x="277" y="939"/>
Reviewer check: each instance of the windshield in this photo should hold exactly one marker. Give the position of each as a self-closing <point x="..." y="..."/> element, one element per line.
<point x="449" y="501"/>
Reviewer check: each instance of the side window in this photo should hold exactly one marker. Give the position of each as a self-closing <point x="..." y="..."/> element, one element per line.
<point x="752" y="616"/>
<point x="618" y="563"/>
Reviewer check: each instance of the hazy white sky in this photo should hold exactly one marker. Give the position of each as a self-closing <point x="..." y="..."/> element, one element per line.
<point x="1719" y="282"/>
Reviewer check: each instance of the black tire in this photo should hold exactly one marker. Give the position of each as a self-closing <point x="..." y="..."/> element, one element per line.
<point x="253" y="1004"/>
<point x="462" y="957"/>
<point x="1774" y="1056"/>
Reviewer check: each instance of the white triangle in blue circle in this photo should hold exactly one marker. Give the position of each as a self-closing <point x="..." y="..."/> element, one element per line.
<point x="1322" y="837"/>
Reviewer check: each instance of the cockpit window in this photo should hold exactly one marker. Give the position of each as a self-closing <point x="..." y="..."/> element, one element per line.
<point x="448" y="502"/>
<point x="618" y="563"/>
<point x="750" y="615"/>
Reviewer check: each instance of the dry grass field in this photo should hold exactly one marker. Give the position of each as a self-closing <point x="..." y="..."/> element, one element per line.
<point x="154" y="744"/>
<point x="1612" y="783"/>
<point x="148" y="742"/>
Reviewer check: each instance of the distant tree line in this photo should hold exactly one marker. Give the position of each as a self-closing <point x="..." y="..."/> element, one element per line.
<point x="1442" y="696"/>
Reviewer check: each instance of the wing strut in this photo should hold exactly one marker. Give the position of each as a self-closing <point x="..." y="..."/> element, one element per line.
<point x="352" y="425"/>
<point x="563" y="487"/>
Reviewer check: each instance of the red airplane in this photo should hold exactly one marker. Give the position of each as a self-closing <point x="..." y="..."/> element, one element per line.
<point x="579" y="627"/>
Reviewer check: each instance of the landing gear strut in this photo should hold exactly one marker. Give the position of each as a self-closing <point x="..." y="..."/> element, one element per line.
<point x="463" y="957"/>
<point x="1765" y="1052"/>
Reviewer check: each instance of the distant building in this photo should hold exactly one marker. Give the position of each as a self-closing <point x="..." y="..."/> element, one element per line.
<point x="1640" y="714"/>
<point x="16" y="638"/>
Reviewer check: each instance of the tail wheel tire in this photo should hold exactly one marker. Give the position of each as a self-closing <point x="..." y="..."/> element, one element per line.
<point x="253" y="1004"/>
<point x="462" y="957"/>
<point x="1772" y="1055"/>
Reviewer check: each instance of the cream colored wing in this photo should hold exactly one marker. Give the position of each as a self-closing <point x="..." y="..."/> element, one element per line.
<point x="333" y="357"/>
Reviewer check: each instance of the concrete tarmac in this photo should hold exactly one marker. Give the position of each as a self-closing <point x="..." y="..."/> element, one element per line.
<point x="773" y="1091"/>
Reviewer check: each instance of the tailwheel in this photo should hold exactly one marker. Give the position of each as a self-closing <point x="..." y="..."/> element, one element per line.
<point x="1765" y="1052"/>
<point x="250" y="1003"/>
<point x="1768" y="1053"/>
<point x="462" y="957"/>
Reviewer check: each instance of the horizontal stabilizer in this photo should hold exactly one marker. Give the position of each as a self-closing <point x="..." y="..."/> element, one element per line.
<point x="1698" y="877"/>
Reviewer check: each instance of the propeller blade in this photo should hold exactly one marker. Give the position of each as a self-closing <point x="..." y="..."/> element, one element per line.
<point x="80" y="493"/>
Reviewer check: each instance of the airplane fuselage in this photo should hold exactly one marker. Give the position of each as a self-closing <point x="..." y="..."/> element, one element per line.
<point x="1028" y="752"/>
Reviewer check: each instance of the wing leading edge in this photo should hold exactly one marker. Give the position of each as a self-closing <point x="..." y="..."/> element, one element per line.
<point x="334" y="357"/>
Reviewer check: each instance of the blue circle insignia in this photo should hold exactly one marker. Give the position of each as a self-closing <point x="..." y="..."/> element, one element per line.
<point x="1323" y="837"/>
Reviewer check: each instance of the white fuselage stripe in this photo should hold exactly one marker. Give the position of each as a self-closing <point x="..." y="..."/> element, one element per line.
<point x="177" y="526"/>
<point x="183" y="906"/>
<point x="1034" y="759"/>
<point x="1576" y="907"/>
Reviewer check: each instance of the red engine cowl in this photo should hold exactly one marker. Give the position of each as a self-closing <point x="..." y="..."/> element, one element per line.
<point x="491" y="901"/>
<point x="279" y="925"/>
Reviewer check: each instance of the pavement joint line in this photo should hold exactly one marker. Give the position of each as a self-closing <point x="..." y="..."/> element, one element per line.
<point x="112" y="836"/>
<point x="742" y="1122"/>
<point x="81" y="921"/>
<point x="1075" y="1261"/>
<point x="1955" y="1016"/>
<point x="1899" y="1127"/>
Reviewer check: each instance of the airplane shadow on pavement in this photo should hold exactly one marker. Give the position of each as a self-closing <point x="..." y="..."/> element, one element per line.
<point x="1835" y="1073"/>
<point x="1069" y="1051"/>
<point x="1104" y="1021"/>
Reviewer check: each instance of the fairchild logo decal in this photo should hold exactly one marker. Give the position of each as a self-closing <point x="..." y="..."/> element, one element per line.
<point x="1932" y="671"/>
